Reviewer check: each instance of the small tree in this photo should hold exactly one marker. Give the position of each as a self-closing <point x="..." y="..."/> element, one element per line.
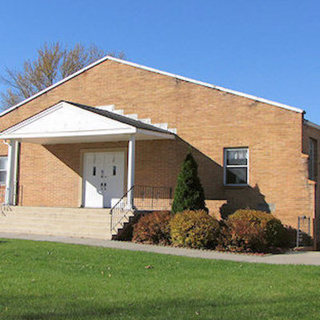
<point x="53" y="63"/>
<point x="189" y="194"/>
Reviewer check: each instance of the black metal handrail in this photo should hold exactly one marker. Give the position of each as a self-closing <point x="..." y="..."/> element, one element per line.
<point x="118" y="206"/>
<point x="152" y="197"/>
<point x="144" y="198"/>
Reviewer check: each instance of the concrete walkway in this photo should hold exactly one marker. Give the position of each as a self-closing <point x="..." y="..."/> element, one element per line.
<point x="305" y="258"/>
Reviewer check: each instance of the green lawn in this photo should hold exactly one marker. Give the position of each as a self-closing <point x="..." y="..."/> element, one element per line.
<point x="41" y="280"/>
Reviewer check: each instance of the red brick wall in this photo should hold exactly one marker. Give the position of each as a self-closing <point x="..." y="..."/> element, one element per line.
<point x="207" y="119"/>
<point x="314" y="133"/>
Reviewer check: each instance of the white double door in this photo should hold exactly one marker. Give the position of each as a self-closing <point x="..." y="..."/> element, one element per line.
<point x="103" y="178"/>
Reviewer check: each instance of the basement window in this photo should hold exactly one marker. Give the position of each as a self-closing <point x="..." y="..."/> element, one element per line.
<point x="3" y="170"/>
<point x="236" y="166"/>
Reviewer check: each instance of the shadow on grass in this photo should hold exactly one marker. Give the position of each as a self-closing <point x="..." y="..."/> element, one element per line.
<point x="176" y="309"/>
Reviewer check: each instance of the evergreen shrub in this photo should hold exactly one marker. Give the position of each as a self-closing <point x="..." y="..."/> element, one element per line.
<point x="189" y="194"/>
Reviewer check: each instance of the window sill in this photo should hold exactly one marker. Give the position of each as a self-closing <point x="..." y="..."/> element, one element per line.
<point x="312" y="182"/>
<point x="235" y="186"/>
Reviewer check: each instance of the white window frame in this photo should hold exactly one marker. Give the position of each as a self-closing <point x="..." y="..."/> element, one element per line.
<point x="225" y="166"/>
<point x="5" y="170"/>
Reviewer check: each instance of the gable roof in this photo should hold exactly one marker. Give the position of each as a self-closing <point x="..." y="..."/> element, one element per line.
<point x="67" y="122"/>
<point x="132" y="64"/>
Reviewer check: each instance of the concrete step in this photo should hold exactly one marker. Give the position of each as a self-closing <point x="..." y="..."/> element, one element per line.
<point x="106" y="235"/>
<point x="60" y="219"/>
<point x="52" y="222"/>
<point x="40" y="221"/>
<point x="58" y="210"/>
<point x="58" y="216"/>
<point x="61" y="224"/>
<point x="85" y="218"/>
<point x="53" y="228"/>
<point x="72" y="222"/>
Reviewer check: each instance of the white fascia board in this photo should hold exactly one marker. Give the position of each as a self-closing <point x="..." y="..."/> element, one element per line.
<point x="132" y="64"/>
<point x="18" y="129"/>
<point x="92" y="133"/>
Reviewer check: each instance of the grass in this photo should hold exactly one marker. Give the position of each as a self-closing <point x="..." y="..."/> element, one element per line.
<point x="41" y="280"/>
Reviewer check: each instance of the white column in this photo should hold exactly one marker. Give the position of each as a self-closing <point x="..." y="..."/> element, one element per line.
<point x="131" y="162"/>
<point x="15" y="173"/>
<point x="11" y="172"/>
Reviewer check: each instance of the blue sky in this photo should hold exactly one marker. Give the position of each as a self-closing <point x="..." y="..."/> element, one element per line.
<point x="266" y="48"/>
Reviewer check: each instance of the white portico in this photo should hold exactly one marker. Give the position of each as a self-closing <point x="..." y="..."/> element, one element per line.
<point x="104" y="171"/>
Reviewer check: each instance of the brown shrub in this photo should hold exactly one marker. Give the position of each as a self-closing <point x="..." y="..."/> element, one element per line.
<point x="257" y="231"/>
<point x="153" y="228"/>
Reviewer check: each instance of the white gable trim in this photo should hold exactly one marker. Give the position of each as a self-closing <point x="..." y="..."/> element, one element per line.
<point x="32" y="119"/>
<point x="65" y="120"/>
<point x="75" y="122"/>
<point x="132" y="64"/>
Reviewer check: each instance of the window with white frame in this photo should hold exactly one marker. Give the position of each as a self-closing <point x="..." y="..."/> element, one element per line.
<point x="236" y="166"/>
<point x="3" y="170"/>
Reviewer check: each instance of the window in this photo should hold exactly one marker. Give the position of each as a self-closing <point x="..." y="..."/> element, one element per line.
<point x="236" y="164"/>
<point x="3" y="170"/>
<point x="313" y="168"/>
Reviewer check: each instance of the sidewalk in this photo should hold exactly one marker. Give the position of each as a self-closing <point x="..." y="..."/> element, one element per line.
<point x="306" y="258"/>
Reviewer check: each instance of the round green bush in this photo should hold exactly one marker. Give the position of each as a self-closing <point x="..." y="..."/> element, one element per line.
<point x="194" y="229"/>
<point x="153" y="228"/>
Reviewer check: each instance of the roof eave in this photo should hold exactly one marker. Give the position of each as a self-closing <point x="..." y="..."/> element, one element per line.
<point x="311" y="124"/>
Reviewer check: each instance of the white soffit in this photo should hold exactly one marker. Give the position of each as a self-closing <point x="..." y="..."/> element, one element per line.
<point x="270" y="102"/>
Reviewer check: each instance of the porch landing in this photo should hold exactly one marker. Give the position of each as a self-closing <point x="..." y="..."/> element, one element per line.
<point x="66" y="222"/>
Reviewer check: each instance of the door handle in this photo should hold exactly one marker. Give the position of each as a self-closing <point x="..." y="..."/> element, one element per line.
<point x="105" y="186"/>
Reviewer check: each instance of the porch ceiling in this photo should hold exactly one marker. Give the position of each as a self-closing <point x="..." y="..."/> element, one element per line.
<point x="68" y="122"/>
